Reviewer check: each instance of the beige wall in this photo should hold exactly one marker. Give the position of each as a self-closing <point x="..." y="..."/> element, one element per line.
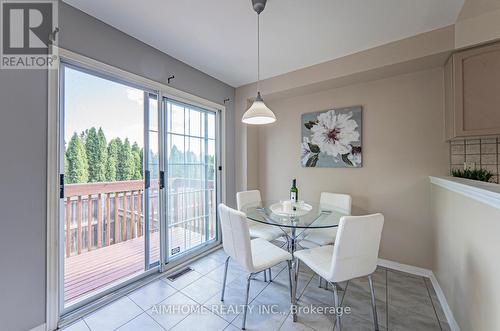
<point x="466" y="261"/>
<point x="478" y="22"/>
<point x="400" y="86"/>
<point x="477" y="30"/>
<point x="428" y="50"/>
<point x="402" y="145"/>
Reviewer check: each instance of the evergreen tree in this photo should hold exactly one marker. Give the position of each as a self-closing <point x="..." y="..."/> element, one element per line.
<point x="175" y="158"/>
<point x="77" y="169"/>
<point x="103" y="148"/>
<point x="95" y="146"/>
<point x="125" y="165"/>
<point x="112" y="161"/>
<point x="136" y="153"/>
<point x="211" y="167"/>
<point x="65" y="164"/>
<point x="142" y="160"/>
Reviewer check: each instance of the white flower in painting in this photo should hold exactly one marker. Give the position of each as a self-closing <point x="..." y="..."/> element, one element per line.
<point x="305" y="151"/>
<point x="355" y="156"/>
<point x="334" y="133"/>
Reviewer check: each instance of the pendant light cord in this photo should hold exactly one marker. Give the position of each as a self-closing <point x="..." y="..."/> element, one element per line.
<point x="258" y="52"/>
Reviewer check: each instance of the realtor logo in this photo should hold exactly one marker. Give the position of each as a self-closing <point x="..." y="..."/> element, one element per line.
<point x="28" y="30"/>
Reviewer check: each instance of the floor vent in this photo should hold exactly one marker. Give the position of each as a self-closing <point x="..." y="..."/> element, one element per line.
<point x="179" y="273"/>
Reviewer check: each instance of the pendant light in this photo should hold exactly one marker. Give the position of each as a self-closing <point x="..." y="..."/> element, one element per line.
<point x="258" y="113"/>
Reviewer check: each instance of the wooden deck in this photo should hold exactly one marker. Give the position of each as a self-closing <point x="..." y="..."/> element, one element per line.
<point x="99" y="268"/>
<point x="91" y="271"/>
<point x="104" y="226"/>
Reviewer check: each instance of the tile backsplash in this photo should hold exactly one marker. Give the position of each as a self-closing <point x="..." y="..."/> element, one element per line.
<point x="476" y="153"/>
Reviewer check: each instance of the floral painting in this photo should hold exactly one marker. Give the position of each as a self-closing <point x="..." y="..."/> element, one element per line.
<point x="332" y="138"/>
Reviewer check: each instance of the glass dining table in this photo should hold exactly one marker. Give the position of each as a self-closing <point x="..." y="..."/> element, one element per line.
<point x="294" y="220"/>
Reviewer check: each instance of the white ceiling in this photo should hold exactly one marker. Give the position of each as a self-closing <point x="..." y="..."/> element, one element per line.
<point x="218" y="37"/>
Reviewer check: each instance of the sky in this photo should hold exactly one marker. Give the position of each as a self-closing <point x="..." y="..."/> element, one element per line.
<point x="93" y="101"/>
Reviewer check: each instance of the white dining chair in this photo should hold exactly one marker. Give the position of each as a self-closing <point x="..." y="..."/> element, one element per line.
<point x="253" y="198"/>
<point x="253" y="255"/>
<point x="332" y="202"/>
<point x="354" y="255"/>
<point x="257" y="230"/>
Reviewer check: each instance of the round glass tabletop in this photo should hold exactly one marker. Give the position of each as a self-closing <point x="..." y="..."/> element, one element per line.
<point x="301" y="215"/>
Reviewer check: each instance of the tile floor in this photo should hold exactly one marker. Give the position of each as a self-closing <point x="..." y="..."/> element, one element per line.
<point x="192" y="302"/>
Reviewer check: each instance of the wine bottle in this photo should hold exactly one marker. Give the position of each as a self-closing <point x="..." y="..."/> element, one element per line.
<point x="294" y="191"/>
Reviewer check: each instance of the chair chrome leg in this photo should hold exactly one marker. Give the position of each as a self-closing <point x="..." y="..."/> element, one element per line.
<point x="320" y="282"/>
<point x="290" y="279"/>
<point x="224" y="281"/>
<point x="337" y="307"/>
<point x="245" y="309"/>
<point x="270" y="276"/>
<point x="265" y="276"/>
<point x="374" y="305"/>
<point x="294" y="291"/>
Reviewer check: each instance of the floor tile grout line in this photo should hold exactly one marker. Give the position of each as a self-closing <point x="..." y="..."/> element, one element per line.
<point x="283" y="322"/>
<point x="309" y="281"/>
<point x="176" y="291"/>
<point x="88" y="327"/>
<point x="250" y="302"/>
<point x="413" y="311"/>
<point x="432" y="303"/>
<point x="144" y="312"/>
<point x="161" y="326"/>
<point x="133" y="318"/>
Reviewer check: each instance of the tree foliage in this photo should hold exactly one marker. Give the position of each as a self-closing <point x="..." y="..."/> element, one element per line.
<point x="137" y="158"/>
<point x="125" y="166"/>
<point x="95" y="147"/>
<point x="89" y="158"/>
<point x="111" y="163"/>
<point x="76" y="156"/>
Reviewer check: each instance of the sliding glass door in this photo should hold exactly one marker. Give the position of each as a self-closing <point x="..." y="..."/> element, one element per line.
<point x="140" y="185"/>
<point x="191" y="158"/>
<point x="152" y="163"/>
<point x="110" y="200"/>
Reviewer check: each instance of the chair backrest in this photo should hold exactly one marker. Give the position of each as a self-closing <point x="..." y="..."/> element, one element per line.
<point x="235" y="236"/>
<point x="355" y="253"/>
<point x="248" y="199"/>
<point x="339" y="202"/>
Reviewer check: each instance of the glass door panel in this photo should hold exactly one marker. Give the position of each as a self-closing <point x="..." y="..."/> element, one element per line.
<point x="191" y="177"/>
<point x="153" y="168"/>
<point x="109" y="231"/>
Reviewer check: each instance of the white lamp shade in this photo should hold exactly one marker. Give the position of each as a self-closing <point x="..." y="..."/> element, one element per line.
<point x="258" y="113"/>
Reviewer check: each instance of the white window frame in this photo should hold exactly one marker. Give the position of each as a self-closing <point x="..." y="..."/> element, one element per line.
<point x="54" y="260"/>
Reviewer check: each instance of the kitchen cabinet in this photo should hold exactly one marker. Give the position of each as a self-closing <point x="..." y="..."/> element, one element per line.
<point x="472" y="92"/>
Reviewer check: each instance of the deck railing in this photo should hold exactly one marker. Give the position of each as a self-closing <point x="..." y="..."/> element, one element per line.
<point x="102" y="214"/>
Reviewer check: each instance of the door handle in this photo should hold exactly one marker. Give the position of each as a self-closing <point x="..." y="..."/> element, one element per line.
<point x="162" y="179"/>
<point x="61" y="186"/>
<point x="147" y="179"/>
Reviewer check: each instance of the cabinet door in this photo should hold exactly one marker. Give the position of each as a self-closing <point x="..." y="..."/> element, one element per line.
<point x="449" y="100"/>
<point x="477" y="91"/>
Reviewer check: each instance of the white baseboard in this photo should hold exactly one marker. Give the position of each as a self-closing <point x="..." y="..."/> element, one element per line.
<point x="429" y="274"/>
<point x="405" y="268"/>
<point x="41" y="327"/>
<point x="444" y="304"/>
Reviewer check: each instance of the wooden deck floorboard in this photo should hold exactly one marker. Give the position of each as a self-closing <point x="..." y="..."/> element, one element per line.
<point x="101" y="267"/>
<point x="98" y="268"/>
